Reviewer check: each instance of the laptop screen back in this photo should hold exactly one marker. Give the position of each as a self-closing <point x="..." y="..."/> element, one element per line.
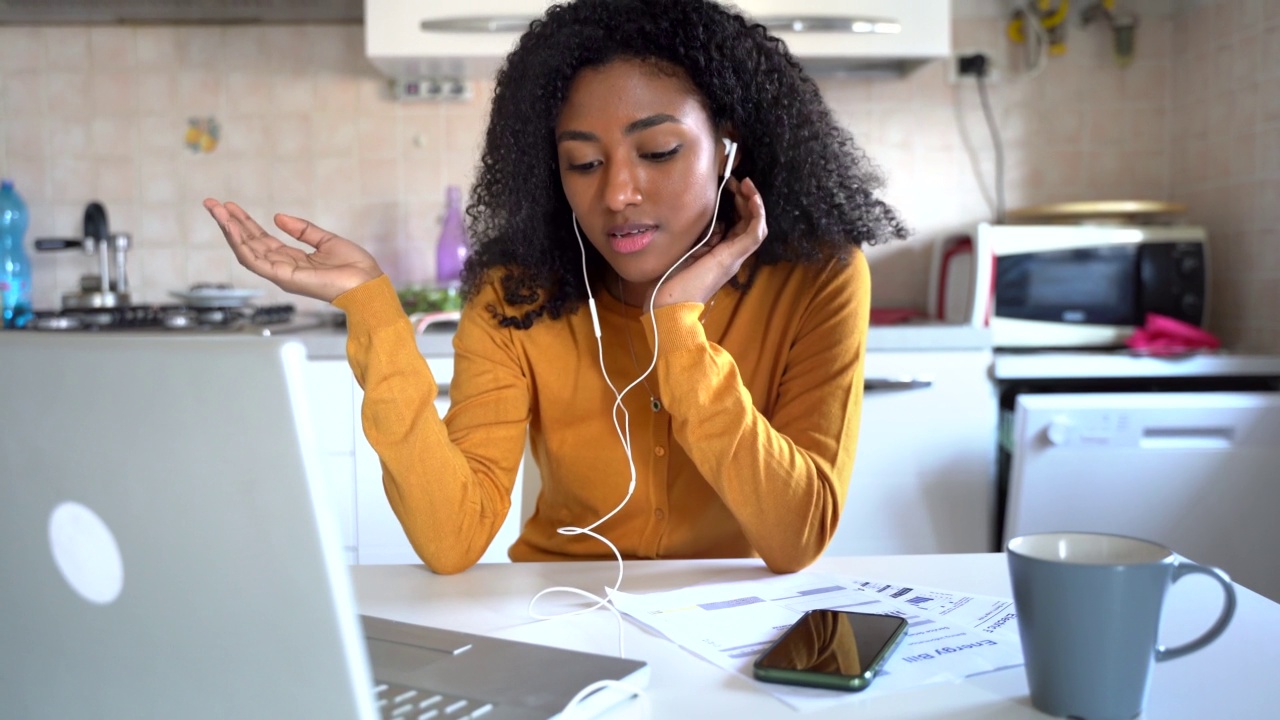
<point x="161" y="538"/>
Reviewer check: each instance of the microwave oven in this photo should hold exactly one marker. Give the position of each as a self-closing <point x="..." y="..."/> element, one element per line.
<point x="1070" y="286"/>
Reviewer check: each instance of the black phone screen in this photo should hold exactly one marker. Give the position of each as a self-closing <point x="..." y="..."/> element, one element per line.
<point x="833" y="642"/>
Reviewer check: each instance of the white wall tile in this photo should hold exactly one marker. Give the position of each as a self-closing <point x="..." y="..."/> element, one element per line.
<point x="201" y="47"/>
<point x="31" y="178"/>
<point x="288" y="135"/>
<point x="66" y="47"/>
<point x="24" y="136"/>
<point x="245" y="50"/>
<point x="292" y="183"/>
<point x="199" y="93"/>
<point x="251" y="182"/>
<point x="112" y="47"/>
<point x="248" y="136"/>
<point x="21" y="48"/>
<point x="333" y="134"/>
<point x="378" y="136"/>
<point x="68" y="94"/>
<point x="294" y="93"/>
<point x="113" y="137"/>
<point x="157" y="47"/>
<point x="379" y="180"/>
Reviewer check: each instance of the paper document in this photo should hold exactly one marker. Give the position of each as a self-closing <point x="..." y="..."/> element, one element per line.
<point x="950" y="636"/>
<point x="986" y="615"/>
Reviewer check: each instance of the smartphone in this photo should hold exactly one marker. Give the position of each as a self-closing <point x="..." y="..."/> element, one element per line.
<point x="832" y="649"/>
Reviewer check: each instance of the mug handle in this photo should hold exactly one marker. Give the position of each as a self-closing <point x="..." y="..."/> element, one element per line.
<point x="1186" y="567"/>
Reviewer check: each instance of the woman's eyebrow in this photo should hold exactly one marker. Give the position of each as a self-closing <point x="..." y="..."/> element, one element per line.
<point x="632" y="128"/>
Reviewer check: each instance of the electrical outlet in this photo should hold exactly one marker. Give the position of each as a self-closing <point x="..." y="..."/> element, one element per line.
<point x="431" y="88"/>
<point x="994" y="71"/>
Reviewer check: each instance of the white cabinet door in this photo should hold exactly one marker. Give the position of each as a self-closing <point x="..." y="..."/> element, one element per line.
<point x="380" y="537"/>
<point x="924" y="478"/>
<point x="332" y="406"/>
<point x="340" y="472"/>
<point x="329" y="396"/>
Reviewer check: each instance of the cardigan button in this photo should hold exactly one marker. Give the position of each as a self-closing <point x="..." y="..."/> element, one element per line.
<point x="659" y="450"/>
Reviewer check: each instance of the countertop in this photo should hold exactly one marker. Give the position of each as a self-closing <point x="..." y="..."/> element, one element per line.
<point x="1098" y="364"/>
<point x="331" y="343"/>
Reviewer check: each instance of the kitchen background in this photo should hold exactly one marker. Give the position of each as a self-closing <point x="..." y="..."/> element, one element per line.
<point x="305" y="125"/>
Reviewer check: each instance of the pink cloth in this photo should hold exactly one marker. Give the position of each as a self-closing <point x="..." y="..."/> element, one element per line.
<point x="1163" y="335"/>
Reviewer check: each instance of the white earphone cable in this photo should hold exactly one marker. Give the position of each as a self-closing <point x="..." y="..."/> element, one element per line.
<point x="624" y="434"/>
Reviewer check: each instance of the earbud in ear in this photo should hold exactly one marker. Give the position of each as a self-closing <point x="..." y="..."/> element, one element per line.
<point x="730" y="149"/>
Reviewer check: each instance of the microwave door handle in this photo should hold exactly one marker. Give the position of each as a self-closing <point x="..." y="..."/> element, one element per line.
<point x="895" y="384"/>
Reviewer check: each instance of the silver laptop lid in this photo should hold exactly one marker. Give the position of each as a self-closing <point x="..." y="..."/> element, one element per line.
<point x="161" y="547"/>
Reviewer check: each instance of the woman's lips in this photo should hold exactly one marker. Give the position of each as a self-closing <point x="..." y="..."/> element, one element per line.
<point x="631" y="239"/>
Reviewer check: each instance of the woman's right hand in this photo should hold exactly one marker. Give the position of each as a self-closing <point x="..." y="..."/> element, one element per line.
<point x="336" y="265"/>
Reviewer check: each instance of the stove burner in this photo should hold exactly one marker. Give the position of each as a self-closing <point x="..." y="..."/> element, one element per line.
<point x="57" y="322"/>
<point x="180" y="320"/>
<point x="164" y="317"/>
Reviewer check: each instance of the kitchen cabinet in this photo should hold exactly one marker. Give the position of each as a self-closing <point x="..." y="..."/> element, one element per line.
<point x="371" y="532"/>
<point x="411" y="40"/>
<point x="329" y="400"/>
<point x="924" y="479"/>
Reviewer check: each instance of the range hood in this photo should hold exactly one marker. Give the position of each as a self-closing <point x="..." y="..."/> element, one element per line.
<point x="409" y="41"/>
<point x="44" y="12"/>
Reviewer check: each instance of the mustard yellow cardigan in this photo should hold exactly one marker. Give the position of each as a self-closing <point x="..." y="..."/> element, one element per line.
<point x="750" y="454"/>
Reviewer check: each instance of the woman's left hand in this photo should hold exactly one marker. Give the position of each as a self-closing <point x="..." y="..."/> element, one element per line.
<point x="713" y="264"/>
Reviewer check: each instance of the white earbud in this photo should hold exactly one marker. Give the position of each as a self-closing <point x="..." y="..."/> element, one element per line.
<point x="730" y="149"/>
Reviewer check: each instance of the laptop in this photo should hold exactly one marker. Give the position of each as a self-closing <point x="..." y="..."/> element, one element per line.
<point x="167" y="550"/>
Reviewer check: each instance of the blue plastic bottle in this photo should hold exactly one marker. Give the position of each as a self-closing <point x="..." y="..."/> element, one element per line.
<point x="15" y="268"/>
<point x="451" y="250"/>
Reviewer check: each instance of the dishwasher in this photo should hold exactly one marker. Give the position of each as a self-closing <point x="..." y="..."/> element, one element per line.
<point x="1185" y="453"/>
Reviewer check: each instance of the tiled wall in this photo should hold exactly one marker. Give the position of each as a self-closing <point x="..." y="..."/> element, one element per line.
<point x="306" y="127"/>
<point x="1226" y="136"/>
<point x="1080" y="129"/>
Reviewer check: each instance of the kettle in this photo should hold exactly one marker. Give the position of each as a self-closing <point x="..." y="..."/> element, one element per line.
<point x="957" y="291"/>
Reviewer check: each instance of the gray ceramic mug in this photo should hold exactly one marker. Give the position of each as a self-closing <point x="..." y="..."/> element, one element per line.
<point x="1089" y="612"/>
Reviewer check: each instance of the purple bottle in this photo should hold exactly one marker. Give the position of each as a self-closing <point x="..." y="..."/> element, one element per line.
<point x="451" y="250"/>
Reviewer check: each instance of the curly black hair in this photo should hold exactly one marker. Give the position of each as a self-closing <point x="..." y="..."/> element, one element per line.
<point x="818" y="186"/>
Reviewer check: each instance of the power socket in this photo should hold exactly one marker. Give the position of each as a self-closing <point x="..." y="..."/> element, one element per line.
<point x="430" y="88"/>
<point x="963" y="66"/>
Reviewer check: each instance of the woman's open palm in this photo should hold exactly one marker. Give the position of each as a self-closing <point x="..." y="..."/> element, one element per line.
<point x="334" y="266"/>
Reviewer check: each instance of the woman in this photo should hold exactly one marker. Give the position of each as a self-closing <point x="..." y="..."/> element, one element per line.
<point x="611" y="131"/>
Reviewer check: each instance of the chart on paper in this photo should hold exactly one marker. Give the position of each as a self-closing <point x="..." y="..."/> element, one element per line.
<point x="950" y="636"/>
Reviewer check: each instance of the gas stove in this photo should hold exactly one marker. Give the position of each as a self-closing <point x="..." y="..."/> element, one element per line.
<point x="168" y="318"/>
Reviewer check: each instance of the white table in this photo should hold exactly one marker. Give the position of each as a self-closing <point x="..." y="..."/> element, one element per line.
<point x="1234" y="677"/>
